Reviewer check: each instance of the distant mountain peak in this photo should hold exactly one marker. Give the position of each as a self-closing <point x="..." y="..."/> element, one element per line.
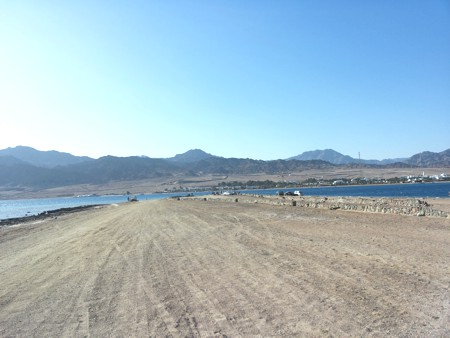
<point x="328" y="155"/>
<point x="192" y="155"/>
<point x="430" y="159"/>
<point x="46" y="159"/>
<point x="335" y="157"/>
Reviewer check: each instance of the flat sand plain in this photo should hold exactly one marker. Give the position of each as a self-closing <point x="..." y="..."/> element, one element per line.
<point x="211" y="268"/>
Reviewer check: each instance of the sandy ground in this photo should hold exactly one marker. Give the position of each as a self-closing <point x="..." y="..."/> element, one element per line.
<point x="210" y="268"/>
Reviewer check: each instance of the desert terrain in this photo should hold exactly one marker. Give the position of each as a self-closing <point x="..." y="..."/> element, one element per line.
<point x="208" y="180"/>
<point x="195" y="267"/>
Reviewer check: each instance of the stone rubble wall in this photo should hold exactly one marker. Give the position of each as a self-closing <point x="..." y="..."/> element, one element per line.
<point x="398" y="206"/>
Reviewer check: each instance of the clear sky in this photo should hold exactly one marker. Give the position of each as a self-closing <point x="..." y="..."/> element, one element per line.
<point x="236" y="78"/>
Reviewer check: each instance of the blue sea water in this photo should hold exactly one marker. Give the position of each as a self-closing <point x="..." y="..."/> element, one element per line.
<point x="419" y="190"/>
<point x="27" y="207"/>
<point x="24" y="207"/>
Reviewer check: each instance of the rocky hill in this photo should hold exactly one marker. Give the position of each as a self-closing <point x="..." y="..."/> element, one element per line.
<point x="328" y="155"/>
<point x="430" y="159"/>
<point x="335" y="157"/>
<point x="191" y="156"/>
<point x="45" y="159"/>
<point x="227" y="166"/>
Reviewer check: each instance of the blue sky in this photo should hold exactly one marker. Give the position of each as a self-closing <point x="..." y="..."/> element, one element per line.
<point x="257" y="79"/>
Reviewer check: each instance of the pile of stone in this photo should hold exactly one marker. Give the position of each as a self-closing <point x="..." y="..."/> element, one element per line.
<point x="398" y="206"/>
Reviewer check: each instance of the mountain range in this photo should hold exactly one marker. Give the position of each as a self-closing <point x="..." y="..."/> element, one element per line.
<point x="28" y="167"/>
<point x="335" y="157"/>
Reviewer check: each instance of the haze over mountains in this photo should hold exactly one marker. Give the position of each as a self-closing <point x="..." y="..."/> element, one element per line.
<point x="28" y="167"/>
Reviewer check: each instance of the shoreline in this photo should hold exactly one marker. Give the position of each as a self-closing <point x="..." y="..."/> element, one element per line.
<point x="423" y="206"/>
<point x="45" y="215"/>
<point x="207" y="180"/>
<point x="359" y="185"/>
<point x="242" y="191"/>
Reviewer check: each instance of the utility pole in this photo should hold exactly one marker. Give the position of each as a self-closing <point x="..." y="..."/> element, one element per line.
<point x="359" y="162"/>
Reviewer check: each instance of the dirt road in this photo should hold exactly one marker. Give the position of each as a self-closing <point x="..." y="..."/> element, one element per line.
<point x="210" y="268"/>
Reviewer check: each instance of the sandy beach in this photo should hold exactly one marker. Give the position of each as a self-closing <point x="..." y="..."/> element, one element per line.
<point x="195" y="267"/>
